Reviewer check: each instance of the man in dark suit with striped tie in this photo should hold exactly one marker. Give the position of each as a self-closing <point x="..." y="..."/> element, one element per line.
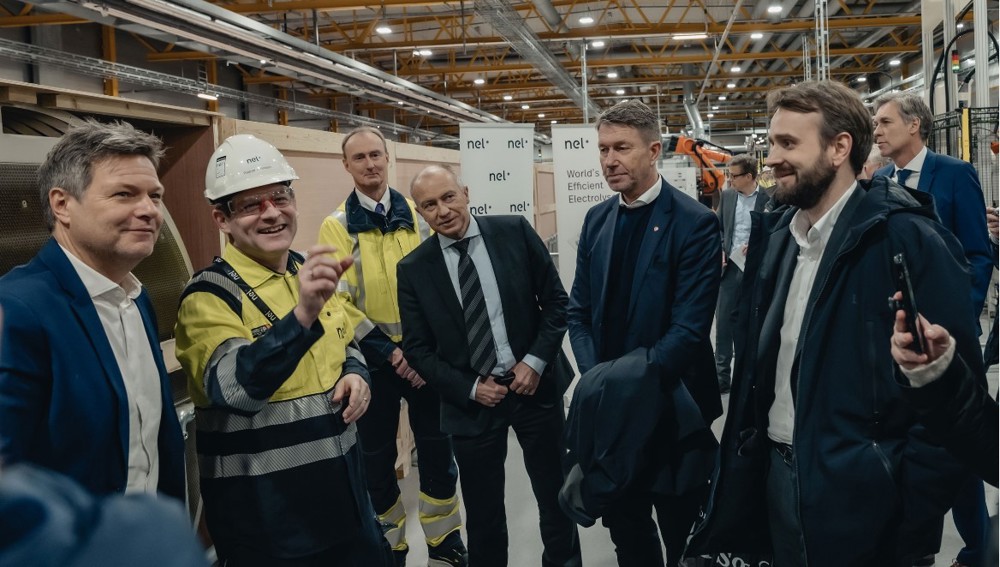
<point x="484" y="315"/>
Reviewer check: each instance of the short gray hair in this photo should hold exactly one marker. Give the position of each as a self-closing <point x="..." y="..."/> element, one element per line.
<point x="875" y="157"/>
<point x="911" y="107"/>
<point x="634" y="114"/>
<point x="70" y="163"/>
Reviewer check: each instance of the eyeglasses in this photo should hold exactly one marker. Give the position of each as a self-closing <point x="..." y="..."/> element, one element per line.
<point x="732" y="175"/>
<point x="249" y="205"/>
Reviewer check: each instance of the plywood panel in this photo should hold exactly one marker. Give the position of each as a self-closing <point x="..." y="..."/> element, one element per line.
<point x="323" y="184"/>
<point x="182" y="173"/>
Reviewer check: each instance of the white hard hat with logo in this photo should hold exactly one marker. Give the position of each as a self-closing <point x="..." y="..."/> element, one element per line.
<point x="244" y="162"/>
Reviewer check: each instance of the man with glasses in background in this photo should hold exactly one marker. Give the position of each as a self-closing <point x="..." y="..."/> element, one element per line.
<point x="735" y="204"/>
<point x="277" y="386"/>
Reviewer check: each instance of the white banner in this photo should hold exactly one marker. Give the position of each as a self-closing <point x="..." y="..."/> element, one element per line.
<point x="579" y="185"/>
<point x="499" y="168"/>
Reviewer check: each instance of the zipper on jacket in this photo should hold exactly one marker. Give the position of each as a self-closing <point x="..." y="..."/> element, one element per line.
<point x="876" y="414"/>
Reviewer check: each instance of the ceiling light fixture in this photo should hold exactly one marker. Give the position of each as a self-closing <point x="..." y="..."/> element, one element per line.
<point x="620" y="92"/>
<point x="731" y="86"/>
<point x="508" y="97"/>
<point x="586" y="20"/>
<point x="554" y="121"/>
<point x="208" y="96"/>
<point x="736" y="69"/>
<point x="423" y="52"/>
<point x="756" y="35"/>
<point x="383" y="30"/>
<point x="541" y="115"/>
<point x="597" y="43"/>
<point x="862" y="79"/>
<point x="399" y="102"/>
<point x="774" y="9"/>
<point x="894" y="62"/>
<point x="710" y="115"/>
<point x="688" y="36"/>
<point x="612" y="74"/>
<point x="723" y="97"/>
<point x="960" y="25"/>
<point x="715" y="108"/>
<point x="479" y="81"/>
<point x="525" y="106"/>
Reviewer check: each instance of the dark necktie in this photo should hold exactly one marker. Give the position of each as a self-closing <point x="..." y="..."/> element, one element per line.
<point x="477" y="321"/>
<point x="902" y="175"/>
<point x="380" y="209"/>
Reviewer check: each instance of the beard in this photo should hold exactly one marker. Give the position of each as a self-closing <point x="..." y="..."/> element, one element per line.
<point x="809" y="187"/>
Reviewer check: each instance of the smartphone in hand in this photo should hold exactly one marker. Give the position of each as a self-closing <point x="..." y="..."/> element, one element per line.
<point x="901" y="276"/>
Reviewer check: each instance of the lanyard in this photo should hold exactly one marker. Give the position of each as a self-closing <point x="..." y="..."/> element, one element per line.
<point x="259" y="303"/>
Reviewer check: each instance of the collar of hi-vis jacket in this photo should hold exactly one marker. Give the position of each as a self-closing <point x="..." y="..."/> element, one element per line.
<point x="399" y="214"/>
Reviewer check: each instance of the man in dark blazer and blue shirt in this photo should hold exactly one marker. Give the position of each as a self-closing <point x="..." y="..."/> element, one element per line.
<point x="83" y="387"/>
<point x="735" y="205"/>
<point x="647" y="276"/>
<point x="484" y="316"/>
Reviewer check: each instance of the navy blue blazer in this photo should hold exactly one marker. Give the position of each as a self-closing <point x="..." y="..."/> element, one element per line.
<point x="673" y="293"/>
<point x="958" y="200"/>
<point x="62" y="398"/>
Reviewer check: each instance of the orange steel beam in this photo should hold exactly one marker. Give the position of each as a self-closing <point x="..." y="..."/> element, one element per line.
<point x="662" y="60"/>
<point x="180" y="56"/>
<point x="40" y="20"/>
<point x="290" y="5"/>
<point x="110" y="53"/>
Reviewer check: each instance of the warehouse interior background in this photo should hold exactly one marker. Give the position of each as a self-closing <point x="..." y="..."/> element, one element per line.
<point x="300" y="73"/>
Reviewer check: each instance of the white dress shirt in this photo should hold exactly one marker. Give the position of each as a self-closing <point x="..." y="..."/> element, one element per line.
<point x="126" y="333"/>
<point x="812" y="242"/>
<point x="369" y="203"/>
<point x="915" y="165"/>
<point x="491" y="293"/>
<point x="646" y="198"/>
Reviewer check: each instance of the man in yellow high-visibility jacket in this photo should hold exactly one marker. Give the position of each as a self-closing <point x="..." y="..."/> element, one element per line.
<point x="379" y="226"/>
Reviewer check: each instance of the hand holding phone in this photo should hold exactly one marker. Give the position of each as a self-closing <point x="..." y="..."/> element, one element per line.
<point x="907" y="303"/>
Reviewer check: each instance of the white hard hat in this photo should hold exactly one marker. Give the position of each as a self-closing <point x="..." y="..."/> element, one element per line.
<point x="244" y="162"/>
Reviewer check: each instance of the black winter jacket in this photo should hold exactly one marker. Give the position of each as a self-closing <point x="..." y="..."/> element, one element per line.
<point x="871" y="488"/>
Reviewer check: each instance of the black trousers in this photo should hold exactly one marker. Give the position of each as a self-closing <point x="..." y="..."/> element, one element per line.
<point x="436" y="462"/>
<point x="635" y="535"/>
<point x="481" y="461"/>
<point x="725" y="322"/>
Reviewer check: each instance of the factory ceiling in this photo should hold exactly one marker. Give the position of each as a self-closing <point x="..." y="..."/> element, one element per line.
<point x="434" y="64"/>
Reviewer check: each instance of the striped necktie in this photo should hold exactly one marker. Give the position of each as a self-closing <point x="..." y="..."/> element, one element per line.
<point x="482" y="348"/>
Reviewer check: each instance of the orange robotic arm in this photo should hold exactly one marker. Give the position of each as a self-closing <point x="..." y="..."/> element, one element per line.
<point x="711" y="178"/>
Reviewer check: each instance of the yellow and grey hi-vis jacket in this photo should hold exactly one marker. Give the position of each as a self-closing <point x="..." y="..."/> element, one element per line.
<point x="376" y="245"/>
<point x="275" y="458"/>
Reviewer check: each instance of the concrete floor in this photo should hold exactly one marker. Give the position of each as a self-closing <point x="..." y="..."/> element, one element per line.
<point x="598" y="551"/>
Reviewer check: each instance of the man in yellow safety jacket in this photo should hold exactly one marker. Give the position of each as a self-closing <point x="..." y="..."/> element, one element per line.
<point x="376" y="226"/>
<point x="266" y="345"/>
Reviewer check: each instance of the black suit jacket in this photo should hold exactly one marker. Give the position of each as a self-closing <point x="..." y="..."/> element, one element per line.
<point x="434" y="335"/>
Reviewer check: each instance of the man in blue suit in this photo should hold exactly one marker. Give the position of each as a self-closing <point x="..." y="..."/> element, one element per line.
<point x="647" y="276"/>
<point x="902" y="126"/>
<point x="83" y="387"/>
